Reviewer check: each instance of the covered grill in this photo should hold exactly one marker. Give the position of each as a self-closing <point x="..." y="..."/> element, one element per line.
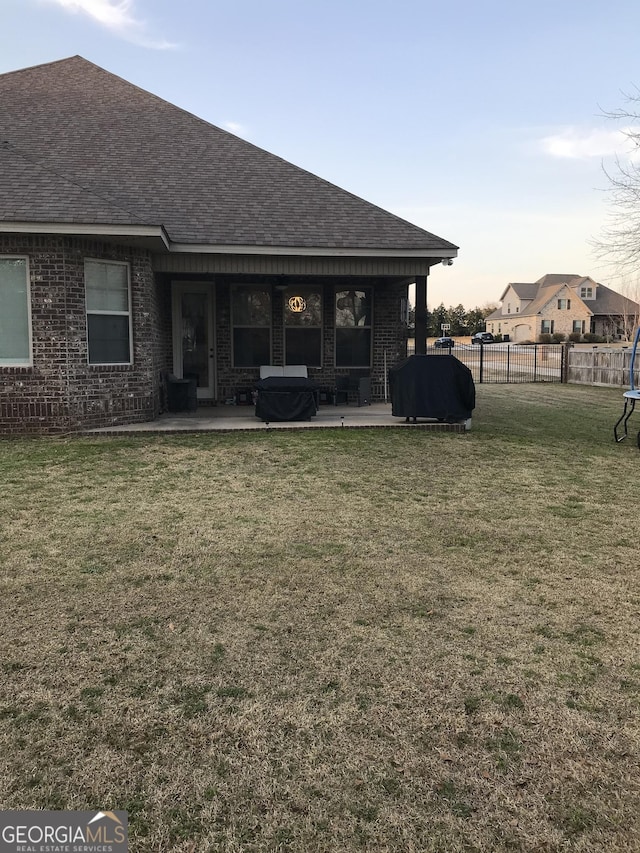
<point x="432" y="386"/>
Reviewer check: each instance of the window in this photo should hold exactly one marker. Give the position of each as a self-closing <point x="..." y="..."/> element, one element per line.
<point x="108" y="312"/>
<point x="509" y="308"/>
<point x="564" y="304"/>
<point x="15" y="312"/>
<point x="546" y="327"/>
<point x="353" y="327"/>
<point x="517" y="308"/>
<point x="251" y="321"/>
<point x="578" y="327"/>
<point x="586" y="292"/>
<point x="303" y="326"/>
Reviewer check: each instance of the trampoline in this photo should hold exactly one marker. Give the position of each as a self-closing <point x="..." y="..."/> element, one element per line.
<point x="630" y="398"/>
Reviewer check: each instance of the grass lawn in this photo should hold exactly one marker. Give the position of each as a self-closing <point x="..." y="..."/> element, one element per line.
<point x="323" y="640"/>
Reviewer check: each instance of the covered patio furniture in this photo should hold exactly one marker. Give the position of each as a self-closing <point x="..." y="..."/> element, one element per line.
<point x="432" y="386"/>
<point x="355" y="384"/>
<point x="286" y="398"/>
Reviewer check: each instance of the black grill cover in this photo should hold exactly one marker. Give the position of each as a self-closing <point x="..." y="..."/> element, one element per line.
<point x="282" y="398"/>
<point x="432" y="386"/>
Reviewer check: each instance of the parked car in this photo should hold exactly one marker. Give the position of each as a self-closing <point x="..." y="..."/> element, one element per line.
<point x="444" y="343"/>
<point x="482" y="338"/>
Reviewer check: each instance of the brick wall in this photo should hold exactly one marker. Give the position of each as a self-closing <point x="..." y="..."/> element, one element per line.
<point x="61" y="391"/>
<point x="389" y="335"/>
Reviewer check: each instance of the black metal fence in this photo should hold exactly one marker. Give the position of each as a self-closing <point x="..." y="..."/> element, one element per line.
<point x="503" y="363"/>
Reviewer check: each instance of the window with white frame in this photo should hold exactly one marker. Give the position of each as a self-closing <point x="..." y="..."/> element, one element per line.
<point x="586" y="292"/>
<point x="564" y="304"/>
<point x="15" y="312"/>
<point x="546" y="327"/>
<point x="251" y="322"/>
<point x="354" y="323"/>
<point x="578" y="327"/>
<point x="108" y="304"/>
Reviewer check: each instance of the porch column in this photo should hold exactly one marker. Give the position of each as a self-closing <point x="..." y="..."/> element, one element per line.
<point x="421" y="315"/>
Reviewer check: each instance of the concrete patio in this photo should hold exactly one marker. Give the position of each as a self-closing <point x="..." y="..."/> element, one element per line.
<point x="233" y="418"/>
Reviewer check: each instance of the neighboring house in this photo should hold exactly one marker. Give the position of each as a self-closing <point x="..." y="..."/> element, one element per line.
<point x="563" y="305"/>
<point x="137" y="240"/>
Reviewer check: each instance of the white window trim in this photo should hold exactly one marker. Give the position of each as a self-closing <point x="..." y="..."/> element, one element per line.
<point x="29" y="361"/>
<point x="128" y="313"/>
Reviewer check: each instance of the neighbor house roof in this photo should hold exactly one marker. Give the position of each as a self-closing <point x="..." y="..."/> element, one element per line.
<point x="543" y="297"/>
<point x="610" y="303"/>
<point x="522" y="291"/>
<point x="605" y="302"/>
<point x="80" y="144"/>
<point x="556" y="278"/>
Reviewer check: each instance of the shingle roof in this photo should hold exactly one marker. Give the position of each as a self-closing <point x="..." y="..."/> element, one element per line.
<point x="610" y="303"/>
<point x="522" y="290"/>
<point x="48" y="197"/>
<point x="81" y="144"/>
<point x="543" y="297"/>
<point x="557" y="278"/>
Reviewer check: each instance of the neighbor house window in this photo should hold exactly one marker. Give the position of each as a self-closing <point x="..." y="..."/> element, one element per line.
<point x="15" y="312"/>
<point x="586" y="293"/>
<point x="564" y="304"/>
<point x="578" y="327"/>
<point x="108" y="298"/>
<point x="251" y="321"/>
<point x="509" y="308"/>
<point x="303" y="326"/>
<point x="354" y="319"/>
<point x="546" y="327"/>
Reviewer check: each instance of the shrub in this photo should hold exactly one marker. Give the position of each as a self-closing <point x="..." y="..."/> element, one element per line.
<point x="558" y="337"/>
<point x="497" y="339"/>
<point x="544" y="338"/>
<point x="590" y="338"/>
<point x="575" y="337"/>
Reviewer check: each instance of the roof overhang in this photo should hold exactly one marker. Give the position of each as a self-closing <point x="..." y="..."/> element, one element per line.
<point x="156" y="238"/>
<point x="153" y="237"/>
<point x="314" y="251"/>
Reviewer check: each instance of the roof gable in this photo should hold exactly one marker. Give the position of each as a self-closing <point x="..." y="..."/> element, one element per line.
<point x="132" y="156"/>
<point x="557" y="278"/>
<point x="521" y="290"/>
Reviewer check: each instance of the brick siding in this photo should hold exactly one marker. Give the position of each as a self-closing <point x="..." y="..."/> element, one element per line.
<point x="389" y="336"/>
<point x="61" y="392"/>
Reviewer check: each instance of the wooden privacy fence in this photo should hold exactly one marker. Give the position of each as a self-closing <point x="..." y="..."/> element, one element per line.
<point x="602" y="367"/>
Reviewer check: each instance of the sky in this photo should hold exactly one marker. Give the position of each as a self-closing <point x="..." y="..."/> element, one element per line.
<point x="482" y="121"/>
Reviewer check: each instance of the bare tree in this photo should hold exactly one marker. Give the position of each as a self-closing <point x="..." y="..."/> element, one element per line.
<point x="620" y="241"/>
<point x="629" y="318"/>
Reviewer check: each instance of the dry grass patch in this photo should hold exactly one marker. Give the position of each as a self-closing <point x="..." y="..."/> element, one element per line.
<point x="331" y="640"/>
